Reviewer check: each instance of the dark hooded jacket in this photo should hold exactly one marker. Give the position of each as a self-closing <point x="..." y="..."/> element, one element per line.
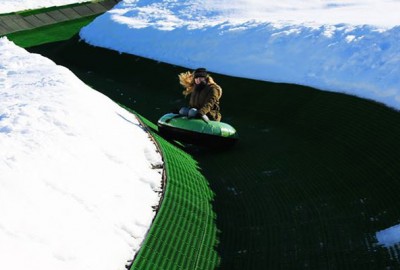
<point x="206" y="100"/>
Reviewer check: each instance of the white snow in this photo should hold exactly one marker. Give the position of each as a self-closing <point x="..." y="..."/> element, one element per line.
<point x="76" y="180"/>
<point x="76" y="184"/>
<point x="389" y="237"/>
<point x="342" y="46"/>
<point x="7" y="6"/>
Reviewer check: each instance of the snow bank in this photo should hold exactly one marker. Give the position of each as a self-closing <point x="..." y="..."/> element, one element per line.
<point x="7" y="6"/>
<point x="76" y="180"/>
<point x="336" y="46"/>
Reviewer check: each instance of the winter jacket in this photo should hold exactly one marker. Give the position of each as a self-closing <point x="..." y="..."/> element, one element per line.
<point x="205" y="100"/>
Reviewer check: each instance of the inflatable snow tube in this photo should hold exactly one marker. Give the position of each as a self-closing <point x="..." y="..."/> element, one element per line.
<point x="197" y="131"/>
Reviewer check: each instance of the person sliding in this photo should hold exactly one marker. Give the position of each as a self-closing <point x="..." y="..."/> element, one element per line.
<point x="204" y="95"/>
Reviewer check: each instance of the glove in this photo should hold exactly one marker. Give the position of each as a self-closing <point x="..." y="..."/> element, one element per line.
<point x="192" y="113"/>
<point x="184" y="111"/>
<point x="205" y="118"/>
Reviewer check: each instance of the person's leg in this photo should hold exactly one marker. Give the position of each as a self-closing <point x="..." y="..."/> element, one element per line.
<point x="192" y="113"/>
<point x="184" y="111"/>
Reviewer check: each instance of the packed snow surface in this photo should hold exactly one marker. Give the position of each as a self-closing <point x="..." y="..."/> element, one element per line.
<point x="389" y="237"/>
<point x="77" y="183"/>
<point x="7" y="6"/>
<point x="342" y="46"/>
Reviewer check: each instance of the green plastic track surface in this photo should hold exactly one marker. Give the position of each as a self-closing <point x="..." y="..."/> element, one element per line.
<point x="51" y="33"/>
<point x="184" y="233"/>
<point x="40" y="26"/>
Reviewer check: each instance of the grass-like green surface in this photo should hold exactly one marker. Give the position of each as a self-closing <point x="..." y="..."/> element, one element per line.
<point x="183" y="234"/>
<point x="313" y="178"/>
<point x="50" y="33"/>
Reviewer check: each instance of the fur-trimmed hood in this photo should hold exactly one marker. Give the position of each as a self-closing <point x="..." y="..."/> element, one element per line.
<point x="186" y="79"/>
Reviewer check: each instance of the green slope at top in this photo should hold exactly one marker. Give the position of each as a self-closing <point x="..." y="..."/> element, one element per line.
<point x="56" y="29"/>
<point x="50" y="33"/>
<point x="313" y="178"/>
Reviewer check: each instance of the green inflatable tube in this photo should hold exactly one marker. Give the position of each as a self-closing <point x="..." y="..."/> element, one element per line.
<point x="196" y="131"/>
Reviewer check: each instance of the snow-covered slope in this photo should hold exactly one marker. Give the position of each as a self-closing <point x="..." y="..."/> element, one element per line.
<point x="7" y="6"/>
<point x="76" y="180"/>
<point x="341" y="46"/>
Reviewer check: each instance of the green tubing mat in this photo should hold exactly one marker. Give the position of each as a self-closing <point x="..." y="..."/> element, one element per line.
<point x="49" y="33"/>
<point x="313" y="178"/>
<point x="183" y="234"/>
<point x="40" y="26"/>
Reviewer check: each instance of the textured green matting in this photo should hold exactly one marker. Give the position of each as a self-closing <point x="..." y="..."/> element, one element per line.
<point x="183" y="234"/>
<point x="34" y="27"/>
<point x="313" y="178"/>
<point x="50" y="33"/>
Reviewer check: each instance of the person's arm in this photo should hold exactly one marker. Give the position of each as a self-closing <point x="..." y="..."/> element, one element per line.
<point x="211" y="100"/>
